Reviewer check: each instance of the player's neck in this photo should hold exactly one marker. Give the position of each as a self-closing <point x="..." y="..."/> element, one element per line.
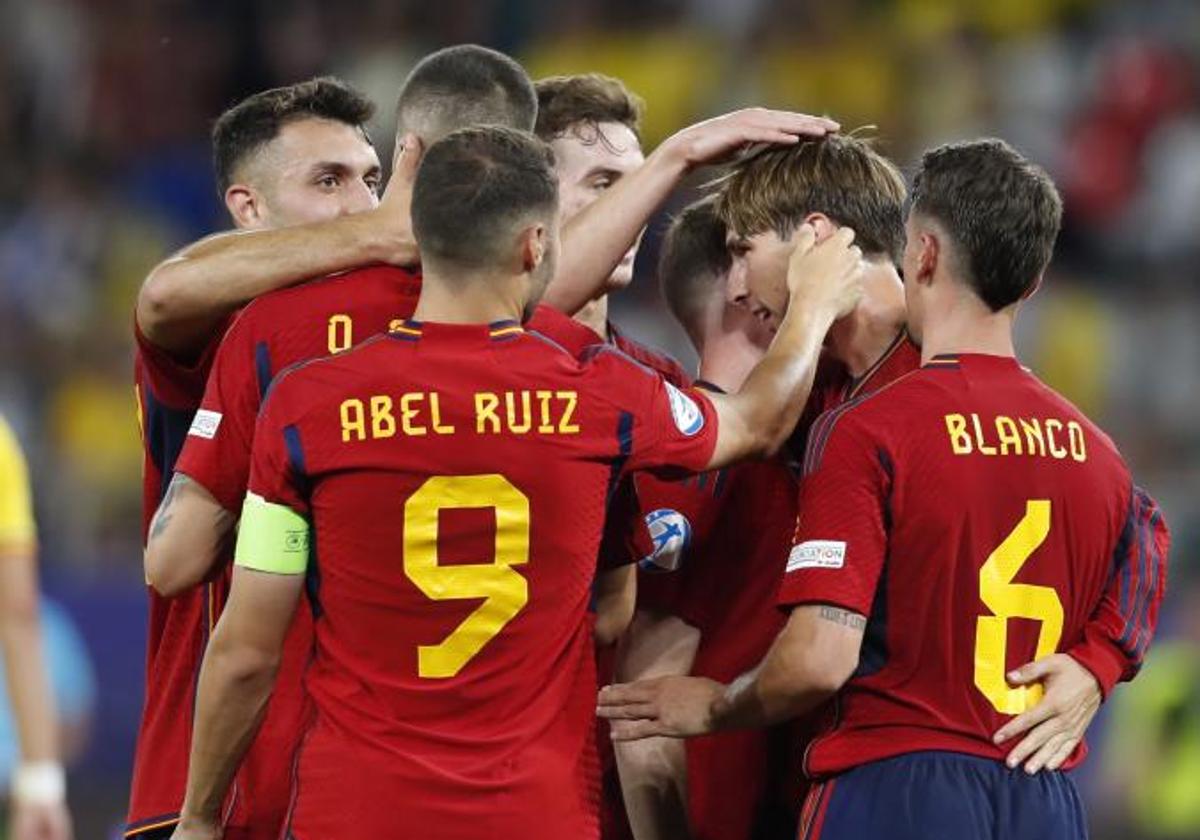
<point x="594" y="316"/>
<point x="479" y="301"/>
<point x="863" y="336"/>
<point x="965" y="324"/>
<point x="726" y="359"/>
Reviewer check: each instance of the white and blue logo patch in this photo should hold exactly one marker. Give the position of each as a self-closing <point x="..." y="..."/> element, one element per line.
<point x="671" y="533"/>
<point x="687" y="415"/>
<point x="205" y="424"/>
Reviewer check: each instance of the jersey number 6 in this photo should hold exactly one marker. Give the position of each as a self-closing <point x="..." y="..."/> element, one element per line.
<point x="503" y="589"/>
<point x="1014" y="600"/>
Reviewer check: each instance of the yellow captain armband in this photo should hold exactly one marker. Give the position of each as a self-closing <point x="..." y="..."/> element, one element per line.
<point x="271" y="538"/>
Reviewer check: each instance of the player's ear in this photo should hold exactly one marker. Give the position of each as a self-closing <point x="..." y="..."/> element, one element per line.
<point x="534" y="243"/>
<point x="824" y="225"/>
<point x="928" y="256"/>
<point x="1033" y="289"/>
<point x="245" y="206"/>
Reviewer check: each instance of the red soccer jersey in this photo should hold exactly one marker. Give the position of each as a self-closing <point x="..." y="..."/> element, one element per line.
<point x="168" y="394"/>
<point x="579" y="339"/>
<point x="456" y="479"/>
<point x="725" y="536"/>
<point x="834" y="386"/>
<point x="274" y="331"/>
<point x="977" y="519"/>
<point x="666" y="367"/>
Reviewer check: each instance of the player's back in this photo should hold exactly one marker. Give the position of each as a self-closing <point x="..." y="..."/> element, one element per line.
<point x="313" y="319"/>
<point x="1004" y="513"/>
<point x="456" y="478"/>
<point x="325" y="316"/>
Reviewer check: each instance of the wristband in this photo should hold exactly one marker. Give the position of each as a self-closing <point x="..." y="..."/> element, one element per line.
<point x="39" y="783"/>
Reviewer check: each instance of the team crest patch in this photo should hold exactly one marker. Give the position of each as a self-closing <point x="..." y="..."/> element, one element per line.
<point x="817" y="554"/>
<point x="671" y="533"/>
<point x="687" y="415"/>
<point x="205" y="424"/>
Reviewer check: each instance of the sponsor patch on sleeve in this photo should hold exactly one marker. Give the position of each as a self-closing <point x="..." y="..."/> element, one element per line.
<point x="817" y="554"/>
<point x="688" y="417"/>
<point x="205" y="424"/>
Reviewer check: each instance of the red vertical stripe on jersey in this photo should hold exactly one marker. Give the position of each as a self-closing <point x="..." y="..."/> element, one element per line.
<point x="812" y="820"/>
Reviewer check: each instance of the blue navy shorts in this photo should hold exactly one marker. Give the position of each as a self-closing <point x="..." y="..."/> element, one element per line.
<point x="943" y="796"/>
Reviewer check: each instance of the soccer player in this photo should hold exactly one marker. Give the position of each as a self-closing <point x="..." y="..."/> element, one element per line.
<point x="708" y="609"/>
<point x="299" y="177"/>
<point x="38" y="797"/>
<point x="195" y="522"/>
<point x="933" y="513"/>
<point x="692" y="619"/>
<point x="841" y="180"/>
<point x="592" y="122"/>
<point x="452" y="477"/>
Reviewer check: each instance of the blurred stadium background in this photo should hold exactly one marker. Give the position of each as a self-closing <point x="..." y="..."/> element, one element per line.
<point x="105" y="107"/>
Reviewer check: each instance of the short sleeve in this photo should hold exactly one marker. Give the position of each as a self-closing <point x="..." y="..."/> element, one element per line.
<point x="216" y="453"/>
<point x="674" y="430"/>
<point x="16" y="509"/>
<point x="624" y="540"/>
<point x="274" y="532"/>
<point x="841" y="538"/>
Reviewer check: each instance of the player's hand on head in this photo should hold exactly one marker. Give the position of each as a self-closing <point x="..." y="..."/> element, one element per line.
<point x="1056" y="725"/>
<point x="721" y="138"/>
<point x="395" y="205"/>
<point x="40" y="821"/>
<point x="672" y="707"/>
<point x="825" y="274"/>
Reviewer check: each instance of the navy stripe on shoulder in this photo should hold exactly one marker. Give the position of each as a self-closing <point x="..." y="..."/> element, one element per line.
<point x="295" y="451"/>
<point x="624" y="448"/>
<point x="262" y="367"/>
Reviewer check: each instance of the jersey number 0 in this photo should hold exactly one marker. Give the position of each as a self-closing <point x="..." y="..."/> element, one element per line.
<point x="503" y="589"/>
<point x="1014" y="600"/>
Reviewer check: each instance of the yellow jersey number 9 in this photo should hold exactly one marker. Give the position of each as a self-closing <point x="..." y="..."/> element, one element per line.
<point x="505" y="590"/>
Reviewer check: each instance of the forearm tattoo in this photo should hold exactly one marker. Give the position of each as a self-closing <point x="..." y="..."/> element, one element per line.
<point x="846" y="618"/>
<point x="162" y="517"/>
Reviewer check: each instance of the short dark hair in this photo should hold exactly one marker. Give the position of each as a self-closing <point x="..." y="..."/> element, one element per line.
<point x="1002" y="211"/>
<point x="257" y="120"/>
<point x="691" y="263"/>
<point x="839" y="175"/>
<point x="584" y="101"/>
<point x="474" y="187"/>
<point x="462" y="86"/>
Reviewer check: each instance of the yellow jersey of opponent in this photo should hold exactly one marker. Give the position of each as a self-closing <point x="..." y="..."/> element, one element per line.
<point x="16" y="509"/>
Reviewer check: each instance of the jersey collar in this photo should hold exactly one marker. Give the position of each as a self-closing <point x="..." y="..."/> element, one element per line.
<point x="414" y="330"/>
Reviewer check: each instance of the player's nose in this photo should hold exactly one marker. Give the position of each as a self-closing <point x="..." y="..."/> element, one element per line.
<point x="358" y="198"/>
